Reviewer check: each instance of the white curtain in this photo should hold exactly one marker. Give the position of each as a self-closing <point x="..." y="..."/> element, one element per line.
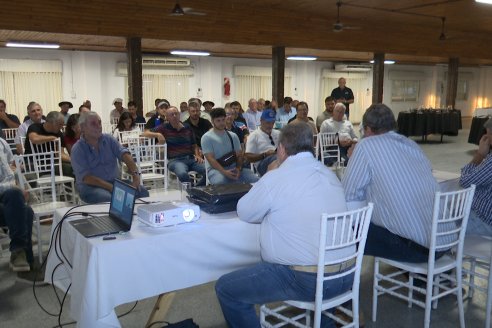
<point x="255" y="82"/>
<point x="360" y="83"/>
<point x="173" y="87"/>
<point x="22" y="81"/>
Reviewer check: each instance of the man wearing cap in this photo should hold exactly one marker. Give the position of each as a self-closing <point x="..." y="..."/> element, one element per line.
<point x="64" y="107"/>
<point x="116" y="112"/>
<point x="479" y="173"/>
<point x="286" y="112"/>
<point x="199" y="125"/>
<point x="160" y="115"/>
<point x="262" y="143"/>
<point x="252" y="115"/>
<point x="7" y="121"/>
<point x="208" y="105"/>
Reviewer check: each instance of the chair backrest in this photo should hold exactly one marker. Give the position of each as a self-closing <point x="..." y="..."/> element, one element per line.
<point x="449" y="221"/>
<point x="107" y="128"/>
<point x="149" y="157"/>
<point x="124" y="136"/>
<point x="341" y="232"/>
<point x="141" y="126"/>
<point x="40" y="150"/>
<point x="28" y="170"/>
<point x="9" y="135"/>
<point x="328" y="146"/>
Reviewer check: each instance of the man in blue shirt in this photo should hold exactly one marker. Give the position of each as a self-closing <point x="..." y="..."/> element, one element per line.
<point x="285" y="113"/>
<point x="95" y="162"/>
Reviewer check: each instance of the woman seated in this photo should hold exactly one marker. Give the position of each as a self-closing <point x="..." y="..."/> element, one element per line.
<point x="126" y="123"/>
<point x="72" y="132"/>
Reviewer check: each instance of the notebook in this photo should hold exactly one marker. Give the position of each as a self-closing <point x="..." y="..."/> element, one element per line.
<point x="120" y="214"/>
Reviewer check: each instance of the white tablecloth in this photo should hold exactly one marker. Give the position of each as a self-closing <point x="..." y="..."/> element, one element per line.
<point x="483" y="111"/>
<point x="147" y="261"/>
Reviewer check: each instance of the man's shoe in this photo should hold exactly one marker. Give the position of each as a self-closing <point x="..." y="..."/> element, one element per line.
<point x="18" y="261"/>
<point x="35" y="276"/>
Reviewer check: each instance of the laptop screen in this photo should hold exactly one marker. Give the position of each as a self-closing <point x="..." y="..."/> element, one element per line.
<point x="122" y="202"/>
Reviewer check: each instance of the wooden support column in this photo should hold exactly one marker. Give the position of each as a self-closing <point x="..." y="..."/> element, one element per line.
<point x="134" y="54"/>
<point x="377" y="78"/>
<point x="452" y="86"/>
<point x="278" y="74"/>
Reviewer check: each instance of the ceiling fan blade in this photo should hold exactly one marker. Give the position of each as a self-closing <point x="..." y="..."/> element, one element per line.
<point x="190" y="11"/>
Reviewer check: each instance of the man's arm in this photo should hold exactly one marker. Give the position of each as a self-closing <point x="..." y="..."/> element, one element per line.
<point x="37" y="139"/>
<point x="12" y="124"/>
<point x="357" y="176"/>
<point x="479" y="170"/>
<point x="159" y="136"/>
<point x="92" y="180"/>
<point x="198" y="154"/>
<point x="132" y="169"/>
<point x="254" y="206"/>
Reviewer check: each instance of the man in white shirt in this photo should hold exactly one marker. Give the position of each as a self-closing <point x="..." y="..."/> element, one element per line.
<point x="289" y="240"/>
<point x="35" y="113"/>
<point x="261" y="147"/>
<point x="252" y="115"/>
<point x="345" y="129"/>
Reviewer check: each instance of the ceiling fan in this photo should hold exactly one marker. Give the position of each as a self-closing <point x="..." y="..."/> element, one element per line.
<point x="181" y="11"/>
<point x="338" y="26"/>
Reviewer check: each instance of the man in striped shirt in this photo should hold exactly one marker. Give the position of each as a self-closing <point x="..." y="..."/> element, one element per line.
<point x="391" y="171"/>
<point x="479" y="172"/>
<point x="182" y="151"/>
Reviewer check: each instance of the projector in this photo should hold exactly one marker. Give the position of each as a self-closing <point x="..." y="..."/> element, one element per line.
<point x="168" y="213"/>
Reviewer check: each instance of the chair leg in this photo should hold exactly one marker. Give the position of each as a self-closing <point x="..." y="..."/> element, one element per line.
<point x="437" y="280"/>
<point x="428" y="301"/>
<point x="40" y="242"/>
<point x="471" y="287"/>
<point x="308" y="318"/>
<point x="375" y="291"/>
<point x="488" y="308"/>
<point x="410" y="289"/>
<point x="459" y="295"/>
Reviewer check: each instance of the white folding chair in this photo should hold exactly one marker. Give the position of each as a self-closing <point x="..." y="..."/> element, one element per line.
<point x="477" y="253"/>
<point x="151" y="160"/>
<point x="108" y="128"/>
<point x="65" y="184"/>
<point x="128" y="136"/>
<point x="327" y="145"/>
<point x="449" y="220"/>
<point x="42" y="196"/>
<point x="341" y="231"/>
<point x="141" y="126"/>
<point x="9" y="136"/>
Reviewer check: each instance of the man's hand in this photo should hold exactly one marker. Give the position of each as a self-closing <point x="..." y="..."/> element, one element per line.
<point x="273" y="165"/>
<point x="351" y="150"/>
<point x="345" y="142"/>
<point x="136" y="181"/>
<point x="199" y="159"/>
<point x="484" y="145"/>
<point x="160" y="139"/>
<point x="270" y="152"/>
<point x="232" y="174"/>
<point x="3" y="116"/>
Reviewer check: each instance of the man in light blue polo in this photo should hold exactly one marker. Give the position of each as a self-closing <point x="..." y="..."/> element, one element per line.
<point x="286" y="112"/>
<point x="95" y="162"/>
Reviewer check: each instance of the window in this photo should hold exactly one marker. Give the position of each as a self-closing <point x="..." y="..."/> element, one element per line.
<point x="405" y="90"/>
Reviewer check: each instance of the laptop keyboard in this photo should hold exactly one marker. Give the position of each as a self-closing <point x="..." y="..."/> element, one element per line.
<point x="105" y="224"/>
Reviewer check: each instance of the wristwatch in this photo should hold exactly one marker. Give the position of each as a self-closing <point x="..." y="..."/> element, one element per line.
<point x="135" y="173"/>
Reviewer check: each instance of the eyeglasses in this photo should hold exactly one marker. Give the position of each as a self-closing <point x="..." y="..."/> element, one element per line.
<point x="271" y="140"/>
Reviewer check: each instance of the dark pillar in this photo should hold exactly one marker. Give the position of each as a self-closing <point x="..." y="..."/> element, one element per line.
<point x="134" y="54"/>
<point x="377" y="78"/>
<point x="452" y="86"/>
<point x="278" y="74"/>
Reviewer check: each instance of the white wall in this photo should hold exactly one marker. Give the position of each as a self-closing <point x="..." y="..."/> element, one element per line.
<point x="92" y="75"/>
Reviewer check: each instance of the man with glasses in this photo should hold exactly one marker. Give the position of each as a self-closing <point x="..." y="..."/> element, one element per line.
<point x="261" y="147"/>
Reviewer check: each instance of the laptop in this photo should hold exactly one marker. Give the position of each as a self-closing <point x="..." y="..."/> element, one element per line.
<point x="120" y="214"/>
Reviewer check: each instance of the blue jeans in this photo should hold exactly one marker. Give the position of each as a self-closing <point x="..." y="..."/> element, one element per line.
<point x="215" y="177"/>
<point x="182" y="165"/>
<point x="382" y="243"/>
<point x="239" y="291"/>
<point x="92" y="194"/>
<point x="18" y="218"/>
<point x="262" y="166"/>
<point x="477" y="227"/>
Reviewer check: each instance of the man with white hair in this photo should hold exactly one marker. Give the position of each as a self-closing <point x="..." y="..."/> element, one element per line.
<point x="116" y="112"/>
<point x="35" y="113"/>
<point x="345" y="129"/>
<point x="95" y="162"/>
<point x="252" y="115"/>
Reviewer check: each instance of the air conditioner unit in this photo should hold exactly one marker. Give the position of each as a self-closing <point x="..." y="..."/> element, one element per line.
<point x="353" y="67"/>
<point x="156" y="62"/>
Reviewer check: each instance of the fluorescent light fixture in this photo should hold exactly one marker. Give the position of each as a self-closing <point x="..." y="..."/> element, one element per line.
<point x="190" y="53"/>
<point x="20" y="44"/>
<point x="301" y="58"/>
<point x="489" y="2"/>
<point x="387" y="62"/>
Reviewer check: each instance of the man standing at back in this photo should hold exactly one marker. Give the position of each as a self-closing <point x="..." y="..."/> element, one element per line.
<point x="392" y="172"/>
<point x="343" y="95"/>
<point x="288" y="232"/>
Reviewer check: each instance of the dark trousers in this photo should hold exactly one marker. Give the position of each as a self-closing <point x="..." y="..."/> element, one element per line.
<point x="382" y="243"/>
<point x="18" y="217"/>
